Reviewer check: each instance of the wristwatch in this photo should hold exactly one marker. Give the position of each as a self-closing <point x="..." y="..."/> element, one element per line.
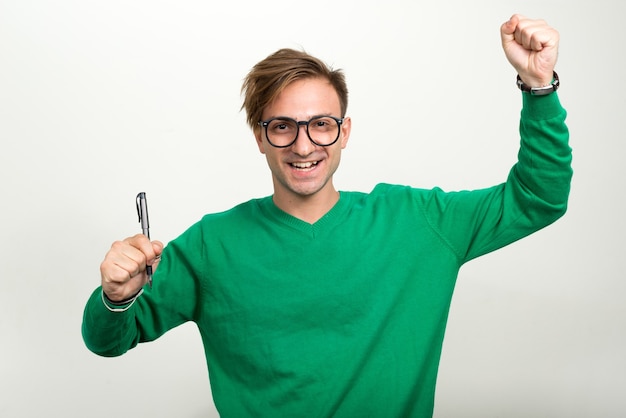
<point x="540" y="91"/>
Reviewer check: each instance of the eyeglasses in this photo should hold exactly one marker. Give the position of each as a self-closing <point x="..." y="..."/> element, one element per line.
<point x="282" y="132"/>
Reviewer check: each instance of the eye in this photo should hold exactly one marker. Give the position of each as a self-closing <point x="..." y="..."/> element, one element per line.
<point x="323" y="124"/>
<point x="279" y="126"/>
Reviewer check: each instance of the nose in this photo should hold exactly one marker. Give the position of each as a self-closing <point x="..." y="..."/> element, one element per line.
<point x="303" y="145"/>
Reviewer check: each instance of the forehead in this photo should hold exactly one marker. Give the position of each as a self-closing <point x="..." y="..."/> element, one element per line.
<point x="305" y="98"/>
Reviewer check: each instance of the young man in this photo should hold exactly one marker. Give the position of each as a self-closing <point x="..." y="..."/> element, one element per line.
<point x="313" y="302"/>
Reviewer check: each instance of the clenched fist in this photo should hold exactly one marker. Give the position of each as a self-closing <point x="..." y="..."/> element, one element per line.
<point x="531" y="46"/>
<point x="123" y="270"/>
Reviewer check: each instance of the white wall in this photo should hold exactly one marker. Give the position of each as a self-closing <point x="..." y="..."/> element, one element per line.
<point x="102" y="99"/>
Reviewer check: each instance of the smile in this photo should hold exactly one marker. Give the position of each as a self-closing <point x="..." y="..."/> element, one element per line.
<point x="304" y="166"/>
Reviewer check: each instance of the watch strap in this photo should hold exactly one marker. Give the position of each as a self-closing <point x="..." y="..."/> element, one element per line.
<point x="540" y="91"/>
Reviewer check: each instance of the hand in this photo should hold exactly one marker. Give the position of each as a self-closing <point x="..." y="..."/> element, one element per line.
<point x="531" y="46"/>
<point x="123" y="270"/>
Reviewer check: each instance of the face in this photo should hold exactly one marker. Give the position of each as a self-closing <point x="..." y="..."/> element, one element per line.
<point x="304" y="169"/>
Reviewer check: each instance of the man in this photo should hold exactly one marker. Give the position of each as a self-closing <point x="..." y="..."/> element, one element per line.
<point x="313" y="302"/>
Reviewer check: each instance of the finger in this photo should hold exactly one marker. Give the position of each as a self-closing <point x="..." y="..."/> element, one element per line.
<point x="116" y="282"/>
<point x="113" y="273"/>
<point x="535" y="35"/>
<point x="122" y="262"/>
<point x="132" y="254"/>
<point x="123" y="269"/>
<point x="147" y="253"/>
<point x="143" y="244"/>
<point x="120" y="271"/>
<point x="157" y="247"/>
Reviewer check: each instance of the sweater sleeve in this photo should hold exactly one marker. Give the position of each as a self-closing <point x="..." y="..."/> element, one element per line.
<point x="171" y="301"/>
<point x="534" y="195"/>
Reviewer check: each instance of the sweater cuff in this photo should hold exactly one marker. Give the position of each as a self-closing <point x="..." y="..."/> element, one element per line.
<point x="541" y="107"/>
<point x="102" y="328"/>
<point x="106" y="314"/>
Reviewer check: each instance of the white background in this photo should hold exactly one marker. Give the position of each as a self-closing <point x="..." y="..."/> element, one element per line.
<point x="102" y="99"/>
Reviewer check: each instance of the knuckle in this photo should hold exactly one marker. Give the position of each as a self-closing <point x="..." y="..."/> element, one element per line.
<point x="117" y="245"/>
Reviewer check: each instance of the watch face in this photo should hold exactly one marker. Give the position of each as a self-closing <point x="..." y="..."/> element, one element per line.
<point x="539" y="91"/>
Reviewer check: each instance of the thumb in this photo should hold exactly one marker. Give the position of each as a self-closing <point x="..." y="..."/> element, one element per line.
<point x="157" y="246"/>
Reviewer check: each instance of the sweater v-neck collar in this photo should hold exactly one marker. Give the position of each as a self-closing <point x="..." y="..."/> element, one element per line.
<point x="328" y="220"/>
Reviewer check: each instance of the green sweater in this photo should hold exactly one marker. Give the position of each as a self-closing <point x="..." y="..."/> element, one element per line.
<point x="345" y="317"/>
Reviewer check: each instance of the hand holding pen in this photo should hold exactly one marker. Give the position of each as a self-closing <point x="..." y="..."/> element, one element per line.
<point x="129" y="263"/>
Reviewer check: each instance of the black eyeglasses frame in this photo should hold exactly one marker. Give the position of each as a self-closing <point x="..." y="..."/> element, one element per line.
<point x="265" y="124"/>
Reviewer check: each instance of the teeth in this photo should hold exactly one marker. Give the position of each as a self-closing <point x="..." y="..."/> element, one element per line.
<point x="304" y="165"/>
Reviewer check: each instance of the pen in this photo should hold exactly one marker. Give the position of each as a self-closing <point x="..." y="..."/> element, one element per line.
<point x="142" y="211"/>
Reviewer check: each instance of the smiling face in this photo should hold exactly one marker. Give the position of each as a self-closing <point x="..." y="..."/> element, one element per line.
<point x="303" y="172"/>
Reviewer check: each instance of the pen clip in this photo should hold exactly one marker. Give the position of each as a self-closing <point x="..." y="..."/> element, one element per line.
<point x="137" y="201"/>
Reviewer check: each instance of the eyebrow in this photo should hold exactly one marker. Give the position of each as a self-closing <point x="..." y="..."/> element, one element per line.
<point x="320" y="115"/>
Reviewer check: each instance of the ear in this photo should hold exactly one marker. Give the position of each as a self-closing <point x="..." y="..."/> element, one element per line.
<point x="346" y="126"/>
<point x="258" y="135"/>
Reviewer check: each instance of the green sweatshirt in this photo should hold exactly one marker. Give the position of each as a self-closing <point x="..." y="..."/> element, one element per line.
<point x="344" y="317"/>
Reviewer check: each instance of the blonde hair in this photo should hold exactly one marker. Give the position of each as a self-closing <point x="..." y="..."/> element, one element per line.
<point x="269" y="77"/>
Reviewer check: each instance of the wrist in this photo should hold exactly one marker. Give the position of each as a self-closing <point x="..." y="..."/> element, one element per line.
<point x="120" y="306"/>
<point x="541" y="90"/>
